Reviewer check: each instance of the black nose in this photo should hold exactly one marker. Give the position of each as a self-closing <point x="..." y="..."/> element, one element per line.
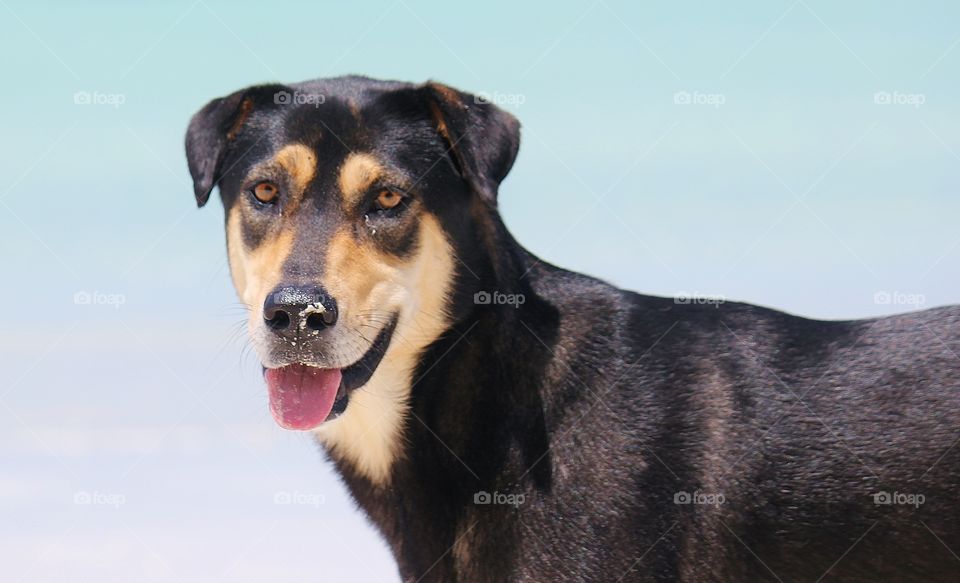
<point x="289" y="309"/>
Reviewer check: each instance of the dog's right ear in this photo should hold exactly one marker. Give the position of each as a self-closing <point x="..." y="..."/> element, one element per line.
<point x="210" y="132"/>
<point x="213" y="128"/>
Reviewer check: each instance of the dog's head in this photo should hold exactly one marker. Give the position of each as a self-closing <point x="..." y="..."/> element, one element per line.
<point x="350" y="204"/>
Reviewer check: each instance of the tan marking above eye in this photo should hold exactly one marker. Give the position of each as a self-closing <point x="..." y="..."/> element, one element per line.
<point x="388" y="199"/>
<point x="357" y="173"/>
<point x="266" y="192"/>
<point x="300" y="163"/>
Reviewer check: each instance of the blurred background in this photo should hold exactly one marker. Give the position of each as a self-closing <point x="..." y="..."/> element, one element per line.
<point x="801" y="154"/>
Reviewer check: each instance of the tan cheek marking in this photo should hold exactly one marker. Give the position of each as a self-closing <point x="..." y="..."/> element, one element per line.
<point x="357" y="173"/>
<point x="255" y="272"/>
<point x="370" y="432"/>
<point x="352" y="270"/>
<point x="300" y="163"/>
<point x="236" y="255"/>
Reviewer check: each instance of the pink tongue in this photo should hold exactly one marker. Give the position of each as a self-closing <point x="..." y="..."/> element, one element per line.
<point x="301" y="396"/>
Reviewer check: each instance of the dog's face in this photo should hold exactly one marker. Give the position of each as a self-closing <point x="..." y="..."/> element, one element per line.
<point x="349" y="203"/>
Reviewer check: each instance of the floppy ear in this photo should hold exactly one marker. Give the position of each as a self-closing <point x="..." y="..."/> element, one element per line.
<point x="482" y="138"/>
<point x="211" y="129"/>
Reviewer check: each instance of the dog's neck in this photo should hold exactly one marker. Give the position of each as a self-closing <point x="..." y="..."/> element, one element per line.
<point x="471" y="421"/>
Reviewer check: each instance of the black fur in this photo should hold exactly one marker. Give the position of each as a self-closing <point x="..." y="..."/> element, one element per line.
<point x="601" y="407"/>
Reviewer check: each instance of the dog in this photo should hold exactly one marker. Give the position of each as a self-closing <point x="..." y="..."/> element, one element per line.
<point x="501" y="419"/>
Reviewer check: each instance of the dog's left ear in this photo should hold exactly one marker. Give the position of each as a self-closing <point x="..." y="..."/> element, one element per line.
<point x="481" y="138"/>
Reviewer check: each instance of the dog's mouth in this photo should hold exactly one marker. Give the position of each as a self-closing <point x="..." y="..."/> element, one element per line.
<point x="303" y="396"/>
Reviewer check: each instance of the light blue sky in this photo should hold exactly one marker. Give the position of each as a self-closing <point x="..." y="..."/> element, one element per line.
<point x="802" y="190"/>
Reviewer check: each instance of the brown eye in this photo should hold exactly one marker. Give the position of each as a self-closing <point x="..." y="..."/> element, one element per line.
<point x="388" y="199"/>
<point x="266" y="192"/>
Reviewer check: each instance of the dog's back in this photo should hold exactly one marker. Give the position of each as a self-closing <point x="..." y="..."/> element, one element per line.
<point x="728" y="442"/>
